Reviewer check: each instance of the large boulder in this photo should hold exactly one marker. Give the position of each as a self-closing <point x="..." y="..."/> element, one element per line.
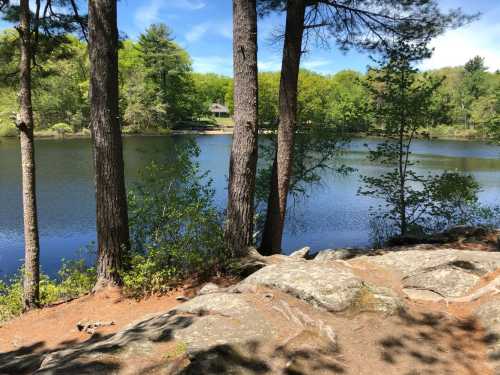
<point x="220" y="333"/>
<point x="437" y="274"/>
<point x="446" y="281"/>
<point x="410" y="261"/>
<point x="331" y="286"/>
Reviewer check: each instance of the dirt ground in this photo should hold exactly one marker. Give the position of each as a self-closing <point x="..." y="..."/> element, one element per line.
<point x="53" y="327"/>
<point x="429" y="338"/>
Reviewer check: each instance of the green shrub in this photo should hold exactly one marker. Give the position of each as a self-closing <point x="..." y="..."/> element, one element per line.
<point x="7" y="130"/>
<point x="74" y="279"/>
<point x="437" y="203"/>
<point x="10" y="299"/>
<point x="176" y="231"/>
<point x="62" y="128"/>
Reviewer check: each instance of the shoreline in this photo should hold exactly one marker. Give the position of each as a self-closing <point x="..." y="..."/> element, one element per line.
<point x="227" y="131"/>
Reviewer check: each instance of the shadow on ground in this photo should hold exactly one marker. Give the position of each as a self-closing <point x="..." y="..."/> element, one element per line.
<point x="428" y="343"/>
<point x="437" y="344"/>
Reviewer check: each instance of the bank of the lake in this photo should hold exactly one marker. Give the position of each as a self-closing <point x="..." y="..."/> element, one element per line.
<point x="333" y="216"/>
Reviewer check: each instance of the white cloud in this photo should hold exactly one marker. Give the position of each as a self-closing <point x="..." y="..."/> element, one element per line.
<point x="456" y="47"/>
<point x="272" y="64"/>
<point x="188" y="4"/>
<point x="197" y="32"/>
<point x="213" y="64"/>
<point x="317" y="65"/>
<point x="150" y="11"/>
<point x="224" y="29"/>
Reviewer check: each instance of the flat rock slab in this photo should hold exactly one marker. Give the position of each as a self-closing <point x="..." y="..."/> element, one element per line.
<point x="218" y="333"/>
<point x="445" y="282"/>
<point x="436" y="274"/>
<point x="331" y="286"/>
<point x="410" y="261"/>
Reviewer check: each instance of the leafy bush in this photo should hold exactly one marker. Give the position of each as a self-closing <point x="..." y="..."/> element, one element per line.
<point x="176" y="232"/>
<point x="74" y="279"/>
<point x="62" y="128"/>
<point x="10" y="299"/>
<point x="435" y="203"/>
<point x="7" y="130"/>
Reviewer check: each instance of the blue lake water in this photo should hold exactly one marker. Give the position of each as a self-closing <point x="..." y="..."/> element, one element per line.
<point x="332" y="216"/>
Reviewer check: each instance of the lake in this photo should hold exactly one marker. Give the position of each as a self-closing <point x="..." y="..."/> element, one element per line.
<point x="332" y="216"/>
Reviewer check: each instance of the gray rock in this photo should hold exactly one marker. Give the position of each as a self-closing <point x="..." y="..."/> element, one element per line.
<point x="208" y="288"/>
<point x="331" y="286"/>
<point x="444" y="281"/>
<point x="253" y="262"/>
<point x="223" y="319"/>
<point x="336" y="254"/>
<point x="301" y="253"/>
<point x="437" y="274"/>
<point x="211" y="331"/>
<point x="410" y="261"/>
<point x="422" y="294"/>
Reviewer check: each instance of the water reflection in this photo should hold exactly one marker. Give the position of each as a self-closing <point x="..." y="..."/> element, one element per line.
<point x="333" y="215"/>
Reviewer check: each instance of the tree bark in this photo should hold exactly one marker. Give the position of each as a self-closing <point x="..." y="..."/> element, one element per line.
<point x="111" y="200"/>
<point x="243" y="161"/>
<point x="24" y="122"/>
<point x="282" y="166"/>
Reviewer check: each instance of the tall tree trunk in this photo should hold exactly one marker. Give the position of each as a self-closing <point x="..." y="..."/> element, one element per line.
<point x="25" y="125"/>
<point x="243" y="161"/>
<point x="111" y="200"/>
<point x="282" y="166"/>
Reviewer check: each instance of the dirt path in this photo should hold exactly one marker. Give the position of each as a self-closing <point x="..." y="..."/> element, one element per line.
<point x="427" y="338"/>
<point x="55" y="327"/>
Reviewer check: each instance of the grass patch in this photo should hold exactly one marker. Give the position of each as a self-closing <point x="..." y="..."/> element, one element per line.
<point x="224" y="121"/>
<point x="74" y="279"/>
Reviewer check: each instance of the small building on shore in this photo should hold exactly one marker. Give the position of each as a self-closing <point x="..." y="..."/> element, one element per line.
<point x="219" y="110"/>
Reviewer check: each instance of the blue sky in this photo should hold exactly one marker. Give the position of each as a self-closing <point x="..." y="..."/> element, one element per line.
<point x="204" y="27"/>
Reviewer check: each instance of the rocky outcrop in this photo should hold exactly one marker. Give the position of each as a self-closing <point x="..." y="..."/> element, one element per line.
<point x="338" y="254"/>
<point x="218" y="333"/>
<point x="461" y="236"/>
<point x="333" y="286"/>
<point x="437" y="274"/>
<point x="297" y="315"/>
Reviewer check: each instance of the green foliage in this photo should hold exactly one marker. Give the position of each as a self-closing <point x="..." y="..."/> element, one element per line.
<point x="468" y="98"/>
<point x="167" y="69"/>
<point x="349" y="102"/>
<point x="74" y="279"/>
<point x="452" y="199"/>
<point x="411" y="203"/>
<point x="402" y="108"/>
<point x="10" y="299"/>
<point x="339" y="101"/>
<point x="176" y="231"/>
<point x="61" y="128"/>
<point x="210" y="88"/>
<point x="440" y="202"/>
<point x="8" y="130"/>
<point x="158" y="90"/>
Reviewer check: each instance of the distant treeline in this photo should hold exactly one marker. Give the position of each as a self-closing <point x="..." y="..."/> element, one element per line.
<point x="159" y="89"/>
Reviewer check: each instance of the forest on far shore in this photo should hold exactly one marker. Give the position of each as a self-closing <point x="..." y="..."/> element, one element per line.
<point x="159" y="90"/>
